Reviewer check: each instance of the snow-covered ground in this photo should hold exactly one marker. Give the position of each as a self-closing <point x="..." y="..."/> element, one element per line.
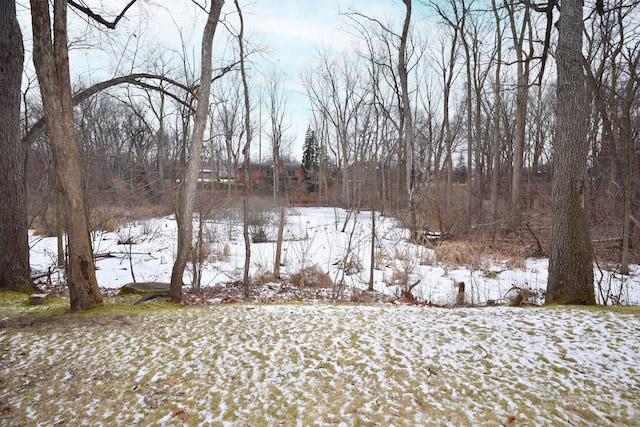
<point x="315" y="237"/>
<point x="322" y="364"/>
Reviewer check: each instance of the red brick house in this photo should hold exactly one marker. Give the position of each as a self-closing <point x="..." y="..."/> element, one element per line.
<point x="262" y="174"/>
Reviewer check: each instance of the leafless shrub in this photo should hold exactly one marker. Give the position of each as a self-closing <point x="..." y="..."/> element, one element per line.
<point x="261" y="218"/>
<point x="311" y="276"/>
<point x="220" y="254"/>
<point x="380" y="259"/>
<point x="399" y="278"/>
<point x="403" y="273"/>
<point x="264" y="278"/>
<point x="611" y="291"/>
<point x="226" y="251"/>
<point x="200" y="253"/>
<point x="400" y="254"/>
<point x="113" y="217"/>
<point x="352" y="264"/>
<point x="44" y="225"/>
<point x="427" y="256"/>
<point x="258" y="234"/>
<point x="519" y="295"/>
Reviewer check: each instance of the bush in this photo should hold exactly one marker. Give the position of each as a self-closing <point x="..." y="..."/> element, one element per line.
<point x="258" y="234"/>
<point x="312" y="277"/>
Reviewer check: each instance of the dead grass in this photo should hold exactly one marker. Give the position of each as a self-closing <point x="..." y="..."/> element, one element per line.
<point x="220" y="254"/>
<point x="311" y="276"/>
<point x="476" y="256"/>
<point x="288" y="364"/>
<point x="380" y="259"/>
<point x="101" y="217"/>
<point x="264" y="278"/>
<point x="457" y="254"/>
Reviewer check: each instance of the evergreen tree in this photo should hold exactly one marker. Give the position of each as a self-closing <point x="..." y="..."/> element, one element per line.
<point x="310" y="151"/>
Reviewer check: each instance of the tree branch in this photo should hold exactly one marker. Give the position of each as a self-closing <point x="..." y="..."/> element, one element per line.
<point x="98" y="18"/>
<point x="135" y="79"/>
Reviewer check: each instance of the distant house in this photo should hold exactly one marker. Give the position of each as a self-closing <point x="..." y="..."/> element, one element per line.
<point x="210" y="175"/>
<point x="262" y="173"/>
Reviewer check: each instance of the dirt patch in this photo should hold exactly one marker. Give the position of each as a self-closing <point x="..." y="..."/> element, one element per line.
<point x="64" y="320"/>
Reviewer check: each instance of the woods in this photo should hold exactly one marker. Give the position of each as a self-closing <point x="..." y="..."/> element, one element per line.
<point x="470" y="119"/>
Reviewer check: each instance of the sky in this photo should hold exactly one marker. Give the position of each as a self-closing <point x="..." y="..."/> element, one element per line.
<point x="296" y="32"/>
<point x="289" y="32"/>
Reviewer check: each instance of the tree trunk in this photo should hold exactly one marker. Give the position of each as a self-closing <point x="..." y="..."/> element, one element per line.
<point x="276" y="265"/>
<point x="522" y="95"/>
<point x="495" y="173"/>
<point x="448" y="76"/>
<point x="59" y="227"/>
<point x="372" y="259"/>
<point x="409" y="131"/>
<point x="15" y="272"/>
<point x="469" y="108"/>
<point x="246" y="151"/>
<point x="627" y="136"/>
<point x="188" y="186"/>
<point x="571" y="256"/>
<point x="51" y="60"/>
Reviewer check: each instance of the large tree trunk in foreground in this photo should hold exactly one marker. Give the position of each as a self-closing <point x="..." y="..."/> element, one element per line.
<point x="571" y="256"/>
<point x="15" y="273"/>
<point x="51" y="60"/>
<point x="188" y="186"/>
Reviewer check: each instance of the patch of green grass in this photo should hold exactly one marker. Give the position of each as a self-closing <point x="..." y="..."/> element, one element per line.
<point x="17" y="304"/>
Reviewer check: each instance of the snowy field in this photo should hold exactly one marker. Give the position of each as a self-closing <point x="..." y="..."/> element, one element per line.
<point x="314" y="237"/>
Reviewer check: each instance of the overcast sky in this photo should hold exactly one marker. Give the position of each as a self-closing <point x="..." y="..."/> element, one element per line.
<point x="290" y="31"/>
<point x="295" y="31"/>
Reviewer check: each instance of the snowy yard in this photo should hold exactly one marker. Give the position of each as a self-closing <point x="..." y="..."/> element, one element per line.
<point x="322" y="364"/>
<point x="319" y="363"/>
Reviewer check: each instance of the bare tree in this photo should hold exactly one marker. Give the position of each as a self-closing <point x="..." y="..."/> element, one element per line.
<point x="15" y="273"/>
<point x="188" y="186"/>
<point x="51" y="60"/>
<point x="276" y="110"/>
<point x="495" y="173"/>
<point x="630" y="90"/>
<point x="334" y="91"/>
<point x="229" y="115"/>
<point x="523" y="65"/>
<point x="141" y="80"/>
<point x="446" y="64"/>
<point x="247" y="154"/>
<point x="407" y="120"/>
<point x="571" y="256"/>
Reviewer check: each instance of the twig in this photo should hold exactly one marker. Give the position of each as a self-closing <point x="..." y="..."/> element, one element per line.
<point x="541" y="251"/>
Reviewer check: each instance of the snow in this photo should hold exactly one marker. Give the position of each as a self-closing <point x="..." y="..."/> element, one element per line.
<point x="315" y="237"/>
<point x="333" y="364"/>
<point x="318" y="363"/>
